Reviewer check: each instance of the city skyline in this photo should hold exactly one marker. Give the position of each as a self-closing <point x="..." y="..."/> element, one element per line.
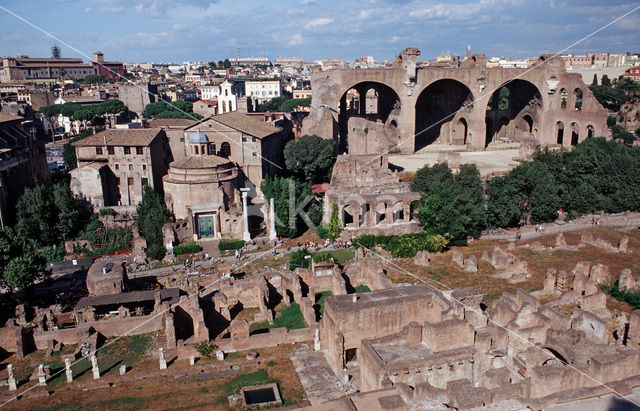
<point x="206" y="30"/>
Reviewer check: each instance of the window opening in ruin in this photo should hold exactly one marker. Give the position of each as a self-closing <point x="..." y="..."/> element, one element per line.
<point x="560" y="133"/>
<point x="351" y="356"/>
<point x="578" y="98"/>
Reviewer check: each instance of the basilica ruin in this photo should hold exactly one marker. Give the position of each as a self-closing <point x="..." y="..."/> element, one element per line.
<point x="469" y="106"/>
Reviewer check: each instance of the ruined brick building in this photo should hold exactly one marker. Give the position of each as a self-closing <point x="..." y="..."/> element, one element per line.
<point x="464" y="106"/>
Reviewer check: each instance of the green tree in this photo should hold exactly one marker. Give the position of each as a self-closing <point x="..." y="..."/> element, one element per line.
<point x="310" y="158"/>
<point x="293" y="103"/>
<point x="36" y="219"/>
<point x="227" y="63"/>
<point x="605" y="81"/>
<point x="23" y="270"/>
<point x="152" y="215"/>
<point x="289" y="196"/>
<point x="595" y="80"/>
<point x="68" y="213"/>
<point x="272" y="105"/>
<point x="432" y="179"/>
<point x="452" y="206"/>
<point x="335" y="225"/>
<point x="503" y="99"/>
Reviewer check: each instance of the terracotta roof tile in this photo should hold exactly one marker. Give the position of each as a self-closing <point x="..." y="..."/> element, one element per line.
<point x="120" y="137"/>
<point x="241" y="122"/>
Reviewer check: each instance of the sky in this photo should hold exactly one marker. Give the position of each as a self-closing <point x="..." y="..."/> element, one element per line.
<point x="211" y="30"/>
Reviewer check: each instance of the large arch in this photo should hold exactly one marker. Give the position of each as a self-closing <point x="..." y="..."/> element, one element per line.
<point x="513" y="112"/>
<point x="439" y="109"/>
<point x="383" y="105"/>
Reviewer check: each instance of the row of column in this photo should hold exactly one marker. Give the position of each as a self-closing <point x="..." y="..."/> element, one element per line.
<point x="373" y="214"/>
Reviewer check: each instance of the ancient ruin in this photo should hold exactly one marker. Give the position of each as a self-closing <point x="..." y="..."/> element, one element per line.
<point x="418" y="105"/>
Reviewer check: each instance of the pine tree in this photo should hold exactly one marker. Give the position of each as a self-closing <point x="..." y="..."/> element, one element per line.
<point x="335" y="225"/>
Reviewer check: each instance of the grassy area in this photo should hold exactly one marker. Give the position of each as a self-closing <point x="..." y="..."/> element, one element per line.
<point x="183" y="394"/>
<point x="320" y="297"/>
<point x="127" y="350"/>
<point x="343" y="255"/>
<point x="253" y="378"/>
<point x="290" y="317"/>
<point x="362" y="289"/>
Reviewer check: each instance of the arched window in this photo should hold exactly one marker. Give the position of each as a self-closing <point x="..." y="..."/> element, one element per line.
<point x="225" y="149"/>
<point x="577" y="94"/>
<point x="559" y="132"/>
<point x="590" y="131"/>
<point x="196" y="149"/>
<point x="574" y="134"/>
<point x="563" y="97"/>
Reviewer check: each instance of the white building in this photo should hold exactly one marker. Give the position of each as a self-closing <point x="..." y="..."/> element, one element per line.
<point x="227" y="101"/>
<point x="263" y="90"/>
<point x="209" y="92"/>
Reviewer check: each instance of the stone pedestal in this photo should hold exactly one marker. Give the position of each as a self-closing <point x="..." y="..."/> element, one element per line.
<point x="220" y="355"/>
<point x="67" y="370"/>
<point x="12" y="379"/>
<point x="246" y="236"/>
<point x="163" y="361"/>
<point x="123" y="369"/>
<point x="192" y="360"/>
<point x="42" y="378"/>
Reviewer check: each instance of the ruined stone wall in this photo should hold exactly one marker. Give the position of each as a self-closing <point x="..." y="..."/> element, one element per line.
<point x="11" y="340"/>
<point x="407" y="84"/>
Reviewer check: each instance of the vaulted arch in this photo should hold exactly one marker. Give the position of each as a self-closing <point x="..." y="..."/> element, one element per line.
<point x="439" y="107"/>
<point x="368" y="99"/>
<point x="513" y="112"/>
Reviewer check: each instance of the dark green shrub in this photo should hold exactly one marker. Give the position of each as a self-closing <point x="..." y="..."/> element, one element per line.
<point x="187" y="248"/>
<point x="406" y="245"/>
<point x="297" y="259"/>
<point x="107" y="211"/>
<point x="230" y="245"/>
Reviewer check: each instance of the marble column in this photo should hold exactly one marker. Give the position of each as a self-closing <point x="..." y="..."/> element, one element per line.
<point x="12" y="379"/>
<point x="67" y="369"/>
<point x="272" y="220"/>
<point x="94" y="367"/>
<point x="163" y="361"/>
<point x="245" y="215"/>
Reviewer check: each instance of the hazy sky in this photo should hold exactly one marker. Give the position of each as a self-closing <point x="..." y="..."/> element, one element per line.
<point x="205" y="30"/>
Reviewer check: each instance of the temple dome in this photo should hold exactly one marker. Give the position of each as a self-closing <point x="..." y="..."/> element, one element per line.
<point x="198" y="137"/>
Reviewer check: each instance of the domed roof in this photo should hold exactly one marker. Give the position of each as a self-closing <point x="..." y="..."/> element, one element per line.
<point x="198" y="137"/>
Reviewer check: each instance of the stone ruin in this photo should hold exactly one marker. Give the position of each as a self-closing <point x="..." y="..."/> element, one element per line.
<point x="370" y="197"/>
<point x="413" y="346"/>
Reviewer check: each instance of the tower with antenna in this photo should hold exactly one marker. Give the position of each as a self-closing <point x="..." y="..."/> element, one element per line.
<point x="55" y="52"/>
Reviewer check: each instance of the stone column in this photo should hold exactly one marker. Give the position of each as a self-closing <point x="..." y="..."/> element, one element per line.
<point x="123" y="369"/>
<point x="67" y="369"/>
<point x="272" y="220"/>
<point x="316" y="340"/>
<point x="216" y="225"/>
<point x="245" y="216"/>
<point x="163" y="361"/>
<point x="192" y="360"/>
<point x="42" y="378"/>
<point x="94" y="367"/>
<point x="12" y="379"/>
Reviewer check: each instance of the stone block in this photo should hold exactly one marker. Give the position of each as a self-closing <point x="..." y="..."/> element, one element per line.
<point x="421" y="258"/>
<point x="626" y="281"/>
<point x="600" y="274"/>
<point x="457" y="258"/>
<point x="470" y="264"/>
